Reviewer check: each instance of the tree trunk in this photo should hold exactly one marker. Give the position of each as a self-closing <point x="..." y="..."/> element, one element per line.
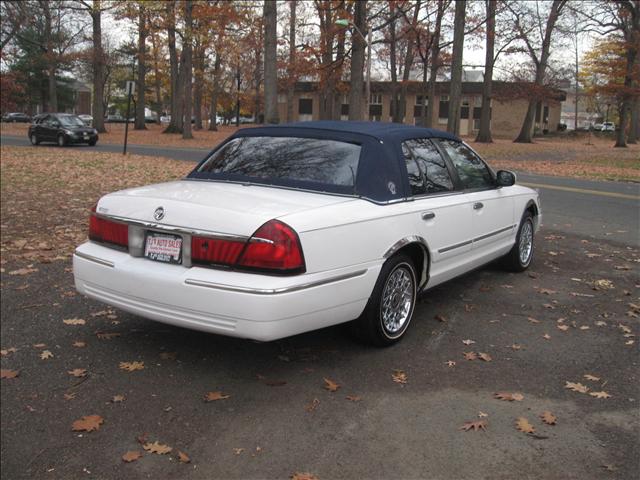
<point x="98" y="68"/>
<point x="214" y="95"/>
<point x="356" y="103"/>
<point x="425" y="94"/>
<point x="156" y="71"/>
<point x="291" y="67"/>
<point x="270" y="62"/>
<point x="187" y="48"/>
<point x="408" y="63"/>
<point x="634" y="127"/>
<point x="140" y="84"/>
<point x="435" y="65"/>
<point x="175" y="125"/>
<point x="455" y="92"/>
<point x="484" y="133"/>
<point x="51" y="60"/>
<point x="526" y="131"/>
<point x="337" y="75"/>
<point x="198" y="67"/>
<point x="392" y="61"/>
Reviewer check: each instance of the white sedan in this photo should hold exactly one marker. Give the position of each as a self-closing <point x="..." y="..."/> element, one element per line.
<point x="285" y="229"/>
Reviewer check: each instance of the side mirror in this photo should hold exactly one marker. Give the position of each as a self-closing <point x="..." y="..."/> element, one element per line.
<point x="505" y="178"/>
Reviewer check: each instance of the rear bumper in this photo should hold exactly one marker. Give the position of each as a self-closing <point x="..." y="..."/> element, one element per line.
<point x="237" y="304"/>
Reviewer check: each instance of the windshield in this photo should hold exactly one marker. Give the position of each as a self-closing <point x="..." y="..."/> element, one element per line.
<point x="281" y="160"/>
<point x="70" y="121"/>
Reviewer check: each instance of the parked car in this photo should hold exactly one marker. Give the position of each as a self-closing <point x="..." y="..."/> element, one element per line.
<point x="285" y="229"/>
<point x="165" y="119"/>
<point x="608" y="127"/>
<point x="116" y="118"/>
<point x="16" y="118"/>
<point x="61" y="128"/>
<point x="243" y="120"/>
<point x="87" y="119"/>
<point x="597" y="127"/>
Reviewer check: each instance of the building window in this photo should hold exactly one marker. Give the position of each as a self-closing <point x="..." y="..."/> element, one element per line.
<point x="376" y="99"/>
<point x="305" y="106"/>
<point x="399" y="106"/>
<point x="375" y="112"/>
<point x="443" y="107"/>
<point x="344" y="109"/>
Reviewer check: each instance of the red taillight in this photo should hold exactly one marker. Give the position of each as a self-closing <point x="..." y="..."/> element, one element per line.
<point x="102" y="229"/>
<point x="214" y="251"/>
<point x="275" y="246"/>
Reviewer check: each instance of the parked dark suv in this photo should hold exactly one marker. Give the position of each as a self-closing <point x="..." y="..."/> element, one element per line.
<point x="16" y="118"/>
<point x="61" y="128"/>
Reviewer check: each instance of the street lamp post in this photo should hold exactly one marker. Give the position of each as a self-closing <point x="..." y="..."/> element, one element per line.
<point x="345" y="22"/>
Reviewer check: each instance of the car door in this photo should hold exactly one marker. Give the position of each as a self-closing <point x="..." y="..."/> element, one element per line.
<point x="41" y="127"/>
<point x="492" y="208"/>
<point x="440" y="212"/>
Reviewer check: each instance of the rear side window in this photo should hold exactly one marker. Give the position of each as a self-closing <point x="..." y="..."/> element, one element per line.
<point x="432" y="166"/>
<point x="473" y="172"/>
<point x="282" y="159"/>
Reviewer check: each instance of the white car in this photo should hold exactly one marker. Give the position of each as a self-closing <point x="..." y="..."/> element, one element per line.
<point x="87" y="119"/>
<point x="287" y="229"/>
<point x="608" y="127"/>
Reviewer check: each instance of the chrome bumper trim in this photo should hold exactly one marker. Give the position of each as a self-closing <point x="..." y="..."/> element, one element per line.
<point x="97" y="260"/>
<point x="273" y="291"/>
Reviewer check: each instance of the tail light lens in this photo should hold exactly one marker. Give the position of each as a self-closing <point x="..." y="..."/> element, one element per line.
<point x="274" y="247"/>
<point x="103" y="230"/>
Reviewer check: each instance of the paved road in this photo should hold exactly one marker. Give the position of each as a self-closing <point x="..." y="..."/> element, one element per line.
<point x="604" y="210"/>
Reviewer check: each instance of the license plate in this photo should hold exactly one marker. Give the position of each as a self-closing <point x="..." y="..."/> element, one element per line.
<point x="163" y="248"/>
<point x="86" y="135"/>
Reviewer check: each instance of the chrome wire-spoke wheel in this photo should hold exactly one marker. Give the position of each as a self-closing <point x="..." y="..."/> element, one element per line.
<point x="398" y="297"/>
<point x="525" y="247"/>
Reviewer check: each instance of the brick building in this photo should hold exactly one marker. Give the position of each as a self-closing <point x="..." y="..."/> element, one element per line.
<point x="508" y="108"/>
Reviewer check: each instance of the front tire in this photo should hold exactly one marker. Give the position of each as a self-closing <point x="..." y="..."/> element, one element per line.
<point x="62" y="141"/>
<point x="33" y="138"/>
<point x="92" y="143"/>
<point x="388" y="313"/>
<point x="521" y="255"/>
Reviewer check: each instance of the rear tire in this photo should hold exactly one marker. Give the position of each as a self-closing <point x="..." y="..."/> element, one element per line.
<point x="520" y="256"/>
<point x="62" y="141"/>
<point x="34" y="139"/>
<point x="388" y="313"/>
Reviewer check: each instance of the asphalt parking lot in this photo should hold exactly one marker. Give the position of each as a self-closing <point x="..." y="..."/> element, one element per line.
<point x="573" y="314"/>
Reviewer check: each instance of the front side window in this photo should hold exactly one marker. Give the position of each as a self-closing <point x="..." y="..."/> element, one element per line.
<point x="281" y="160"/>
<point x="70" y="121"/>
<point x="432" y="165"/>
<point x="414" y="174"/>
<point x="473" y="172"/>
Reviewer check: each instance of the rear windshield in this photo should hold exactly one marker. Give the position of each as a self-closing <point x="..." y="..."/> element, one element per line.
<point x="291" y="161"/>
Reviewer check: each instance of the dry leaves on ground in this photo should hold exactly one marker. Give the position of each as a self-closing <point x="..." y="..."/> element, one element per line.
<point x="74" y="321"/>
<point x="475" y="425"/>
<point x="548" y="418"/>
<point x="303" y="476"/>
<point x="484" y="356"/>
<point x="523" y="425"/>
<point x="4" y="373"/>
<point x="213" y="396"/>
<point x="399" y="376"/>
<point x="592" y="378"/>
<point x="470" y="355"/>
<point x="468" y="341"/>
<point x="602" y="394"/>
<point x="183" y="457"/>
<point x="311" y="406"/>
<point x="131" y="456"/>
<point x="330" y="385"/>
<point x="107" y="335"/>
<point x="353" y="398"/>
<point x="87" y="423"/>
<point x="46" y="354"/>
<point x="79" y="344"/>
<point x="576" y="387"/>
<point x="131" y="366"/>
<point x="157" y="447"/>
<point x="509" y="397"/>
<point x="7" y="351"/>
<point x="118" y="398"/>
<point x="78" y="372"/>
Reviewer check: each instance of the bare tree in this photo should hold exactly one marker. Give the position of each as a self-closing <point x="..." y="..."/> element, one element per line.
<point x="356" y="104"/>
<point x="142" y="70"/>
<point x="484" y="132"/>
<point x="187" y="49"/>
<point x="455" y="92"/>
<point x="529" y="25"/>
<point x="270" y="62"/>
<point x="293" y="4"/>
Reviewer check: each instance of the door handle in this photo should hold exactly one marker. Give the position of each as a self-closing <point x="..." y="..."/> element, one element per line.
<point x="428" y="215"/>
<point x="478" y="205"/>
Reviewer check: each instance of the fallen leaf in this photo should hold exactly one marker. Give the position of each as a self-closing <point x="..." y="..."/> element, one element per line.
<point x="546" y="336"/>
<point x="440" y="318"/>
<point x="564" y="328"/>
<point x="548" y="418"/>
<point x="23" y="271"/>
<point x="330" y="385"/>
<point x="78" y="372"/>
<point x="509" y="397"/>
<point x="547" y="291"/>
<point x="107" y="335"/>
<point x="7" y="351"/>
<point x="213" y="396"/>
<point x="475" y="425"/>
<point x="238" y="451"/>
<point x="303" y="476"/>
<point x="523" y="425"/>
<point x="310" y="407"/>
<point x="157" y="448"/>
<point x="470" y="355"/>
<point x="484" y="356"/>
<point x="39" y="345"/>
<point x="118" y="398"/>
<point x="602" y="394"/>
<point x="515" y="346"/>
<point x="88" y="423"/>
<point x="591" y="377"/>
<point x="79" y="344"/>
<point x="74" y="321"/>
<point x="602" y="284"/>
<point x="69" y="396"/>
<point x="468" y="342"/>
<point x="100" y="313"/>
<point x="576" y="387"/>
<point x="450" y="363"/>
<point x="624" y="328"/>
<point x="131" y="366"/>
<point x="399" y="376"/>
<point x="584" y="327"/>
<point x="169" y="355"/>
<point x="482" y="415"/>
<point x="629" y="342"/>
<point x="46" y="354"/>
<point x="533" y="320"/>
<point x="9" y="373"/>
<point x="600" y="323"/>
<point x="131" y="456"/>
<point x="353" y="398"/>
<point x="183" y="457"/>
